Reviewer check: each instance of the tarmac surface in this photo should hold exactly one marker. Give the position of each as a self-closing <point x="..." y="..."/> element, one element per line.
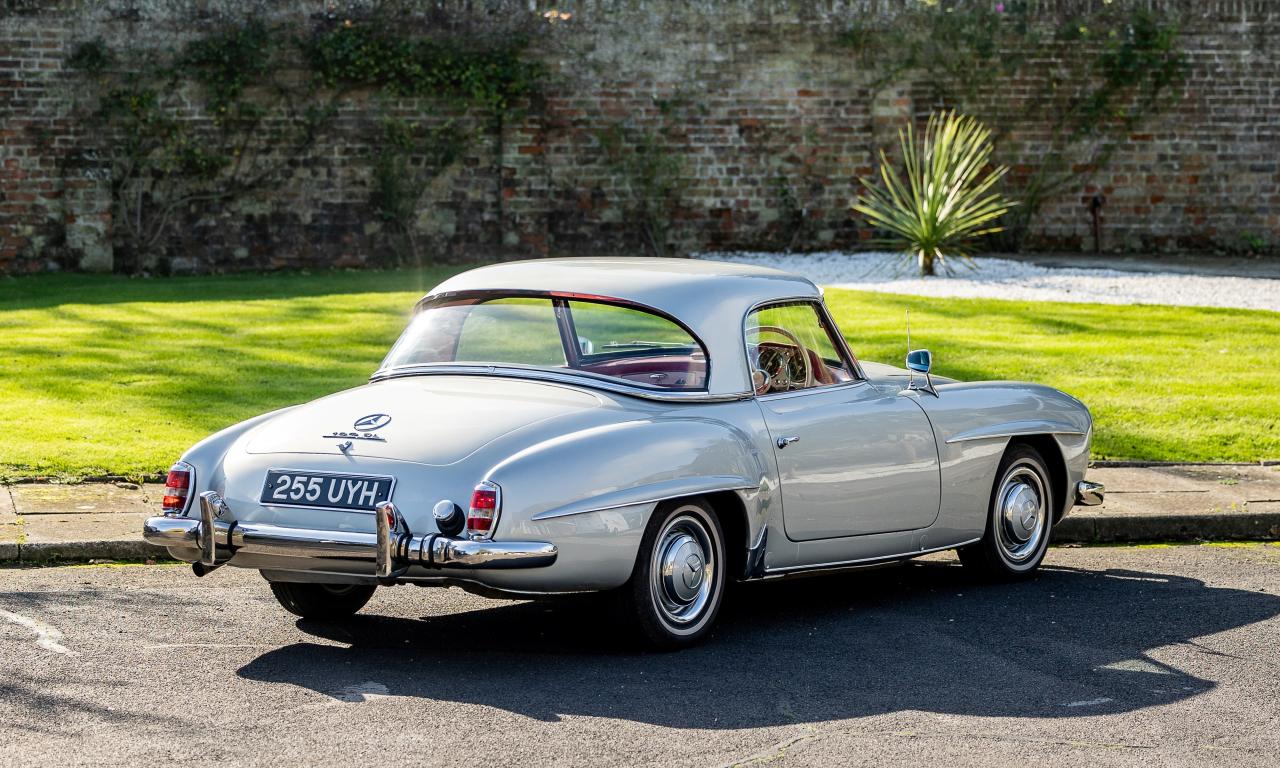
<point x="1112" y="656"/>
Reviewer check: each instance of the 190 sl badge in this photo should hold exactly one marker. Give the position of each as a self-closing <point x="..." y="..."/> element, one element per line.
<point x="365" y="428"/>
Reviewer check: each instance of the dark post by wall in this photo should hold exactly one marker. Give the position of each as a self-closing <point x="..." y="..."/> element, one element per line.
<point x="661" y="126"/>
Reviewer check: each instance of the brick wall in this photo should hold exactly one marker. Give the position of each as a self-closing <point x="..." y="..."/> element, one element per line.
<point x="769" y="122"/>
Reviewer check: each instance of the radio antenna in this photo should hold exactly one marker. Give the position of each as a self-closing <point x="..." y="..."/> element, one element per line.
<point x="927" y="363"/>
<point x="911" y="376"/>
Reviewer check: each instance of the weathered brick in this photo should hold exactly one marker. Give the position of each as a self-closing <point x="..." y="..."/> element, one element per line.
<point x="760" y="101"/>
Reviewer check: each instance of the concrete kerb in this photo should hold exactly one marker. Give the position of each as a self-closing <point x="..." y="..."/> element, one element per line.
<point x="43" y="553"/>
<point x="1146" y="502"/>
<point x="1080" y="529"/>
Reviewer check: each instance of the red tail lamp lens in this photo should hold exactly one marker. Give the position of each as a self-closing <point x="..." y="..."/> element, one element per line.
<point x="177" y="487"/>
<point x="485" y="504"/>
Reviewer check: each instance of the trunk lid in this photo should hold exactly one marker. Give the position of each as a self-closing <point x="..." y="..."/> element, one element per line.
<point x="432" y="420"/>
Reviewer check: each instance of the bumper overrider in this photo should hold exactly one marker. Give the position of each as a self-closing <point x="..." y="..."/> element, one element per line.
<point x="1089" y="494"/>
<point x="390" y="551"/>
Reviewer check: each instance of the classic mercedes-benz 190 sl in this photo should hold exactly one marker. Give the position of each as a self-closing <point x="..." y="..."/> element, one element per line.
<point x="651" y="428"/>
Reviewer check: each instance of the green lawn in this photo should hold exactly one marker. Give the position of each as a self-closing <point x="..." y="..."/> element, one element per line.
<point x="111" y="375"/>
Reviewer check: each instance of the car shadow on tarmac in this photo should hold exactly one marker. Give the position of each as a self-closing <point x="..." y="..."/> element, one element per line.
<point x="921" y="637"/>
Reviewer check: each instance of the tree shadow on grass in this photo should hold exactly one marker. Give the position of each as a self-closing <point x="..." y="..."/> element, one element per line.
<point x="42" y="291"/>
<point x="1069" y="643"/>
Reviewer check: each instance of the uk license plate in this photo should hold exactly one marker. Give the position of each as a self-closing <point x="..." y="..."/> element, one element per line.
<point x="325" y="490"/>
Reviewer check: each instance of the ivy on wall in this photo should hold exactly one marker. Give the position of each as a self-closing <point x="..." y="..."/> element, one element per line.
<point x="230" y="112"/>
<point x="410" y="158"/>
<point x="492" y="73"/>
<point x="1123" y="67"/>
<point x="647" y="163"/>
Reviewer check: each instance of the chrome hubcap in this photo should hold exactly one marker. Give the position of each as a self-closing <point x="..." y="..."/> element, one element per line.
<point x="1022" y="514"/>
<point x="683" y="569"/>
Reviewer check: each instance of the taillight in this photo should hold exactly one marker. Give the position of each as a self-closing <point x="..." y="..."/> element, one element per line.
<point x="177" y="488"/>
<point x="486" y="502"/>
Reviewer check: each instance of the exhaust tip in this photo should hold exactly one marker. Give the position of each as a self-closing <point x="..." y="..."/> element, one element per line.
<point x="201" y="570"/>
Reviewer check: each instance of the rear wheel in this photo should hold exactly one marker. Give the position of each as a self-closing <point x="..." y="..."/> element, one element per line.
<point x="677" y="585"/>
<point x="322" y="602"/>
<point x="1019" y="519"/>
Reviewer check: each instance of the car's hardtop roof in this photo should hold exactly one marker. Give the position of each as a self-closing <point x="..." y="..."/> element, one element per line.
<point x="711" y="298"/>
<point x="683" y="288"/>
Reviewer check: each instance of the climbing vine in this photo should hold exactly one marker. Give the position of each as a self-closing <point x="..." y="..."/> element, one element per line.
<point x="647" y="165"/>
<point x="1093" y="76"/>
<point x="159" y="157"/>
<point x="411" y="157"/>
<point x="491" y="73"/>
<point x="232" y="111"/>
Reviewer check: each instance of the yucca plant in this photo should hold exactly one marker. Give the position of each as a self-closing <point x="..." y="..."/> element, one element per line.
<point x="941" y="199"/>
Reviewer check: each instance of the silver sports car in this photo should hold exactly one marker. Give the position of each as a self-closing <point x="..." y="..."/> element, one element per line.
<point x="651" y="428"/>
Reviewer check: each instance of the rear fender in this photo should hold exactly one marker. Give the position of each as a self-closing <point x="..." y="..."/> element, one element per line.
<point x="592" y="492"/>
<point x="207" y="455"/>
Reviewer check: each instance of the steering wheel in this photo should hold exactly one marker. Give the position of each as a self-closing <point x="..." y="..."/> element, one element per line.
<point x="780" y="375"/>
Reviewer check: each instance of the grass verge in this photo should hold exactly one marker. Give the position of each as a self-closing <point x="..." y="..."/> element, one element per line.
<point x="112" y="375"/>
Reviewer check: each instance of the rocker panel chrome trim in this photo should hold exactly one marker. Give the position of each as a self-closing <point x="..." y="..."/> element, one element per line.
<point x="864" y="561"/>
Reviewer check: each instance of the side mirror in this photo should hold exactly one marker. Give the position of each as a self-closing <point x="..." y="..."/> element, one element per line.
<point x="919" y="361"/>
<point x="585" y="347"/>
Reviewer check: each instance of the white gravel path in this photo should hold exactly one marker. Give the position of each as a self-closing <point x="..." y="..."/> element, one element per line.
<point x="1007" y="279"/>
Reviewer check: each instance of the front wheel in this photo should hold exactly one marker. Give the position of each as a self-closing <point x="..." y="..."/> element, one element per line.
<point x="1019" y="519"/>
<point x="321" y="602"/>
<point x="678" y="581"/>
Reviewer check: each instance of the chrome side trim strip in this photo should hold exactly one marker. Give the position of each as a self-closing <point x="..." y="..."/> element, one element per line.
<point x="863" y="561"/>
<point x="675" y="491"/>
<point x="1014" y="430"/>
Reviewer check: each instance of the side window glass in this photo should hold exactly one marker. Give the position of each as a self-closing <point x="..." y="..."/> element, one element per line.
<point x="789" y="348"/>
<point x="512" y="330"/>
<point x="637" y="346"/>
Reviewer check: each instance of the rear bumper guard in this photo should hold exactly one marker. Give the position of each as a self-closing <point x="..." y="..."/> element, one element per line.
<point x="392" y="550"/>
<point x="1089" y="494"/>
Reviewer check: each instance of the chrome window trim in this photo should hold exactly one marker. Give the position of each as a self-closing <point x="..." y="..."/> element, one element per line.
<point x="825" y="388"/>
<point x="559" y="299"/>
<point x="833" y="330"/>
<point x="574" y="378"/>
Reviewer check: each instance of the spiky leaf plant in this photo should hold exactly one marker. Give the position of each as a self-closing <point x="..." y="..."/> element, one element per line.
<point x="941" y="199"/>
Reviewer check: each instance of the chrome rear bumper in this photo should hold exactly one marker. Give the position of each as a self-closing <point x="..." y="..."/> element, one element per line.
<point x="390" y="551"/>
<point x="1089" y="494"/>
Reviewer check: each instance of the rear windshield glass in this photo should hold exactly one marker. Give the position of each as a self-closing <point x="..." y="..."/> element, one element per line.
<point x="621" y="342"/>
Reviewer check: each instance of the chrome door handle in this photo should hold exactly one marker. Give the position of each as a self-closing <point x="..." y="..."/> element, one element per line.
<point x="783" y="442"/>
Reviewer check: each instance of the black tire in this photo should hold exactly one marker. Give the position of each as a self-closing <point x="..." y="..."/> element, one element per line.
<point x="677" y="611"/>
<point x="321" y="602"/>
<point x="1012" y="548"/>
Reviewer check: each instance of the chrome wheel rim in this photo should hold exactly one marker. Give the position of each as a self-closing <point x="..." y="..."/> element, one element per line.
<point x="1021" y="514"/>
<point x="682" y="572"/>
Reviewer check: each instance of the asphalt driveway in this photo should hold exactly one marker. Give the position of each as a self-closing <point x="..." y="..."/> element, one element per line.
<point x="1113" y="656"/>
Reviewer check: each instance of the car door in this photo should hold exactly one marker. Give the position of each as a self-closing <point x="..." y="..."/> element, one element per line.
<point x="852" y="458"/>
